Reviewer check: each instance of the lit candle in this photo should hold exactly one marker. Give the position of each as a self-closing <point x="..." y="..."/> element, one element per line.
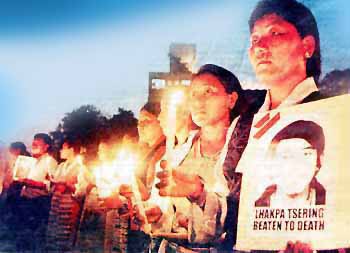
<point x="128" y="163"/>
<point x="174" y="100"/>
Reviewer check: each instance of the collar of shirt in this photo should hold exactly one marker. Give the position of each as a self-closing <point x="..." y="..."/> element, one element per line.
<point x="301" y="91"/>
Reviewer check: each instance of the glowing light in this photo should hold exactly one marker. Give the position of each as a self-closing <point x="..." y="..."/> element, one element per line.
<point x="176" y="97"/>
<point x="109" y="176"/>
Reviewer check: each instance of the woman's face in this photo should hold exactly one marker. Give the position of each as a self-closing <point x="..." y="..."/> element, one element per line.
<point x="66" y="151"/>
<point x="15" y="152"/>
<point x="294" y="165"/>
<point x="277" y="52"/>
<point x="148" y="127"/>
<point x="209" y="102"/>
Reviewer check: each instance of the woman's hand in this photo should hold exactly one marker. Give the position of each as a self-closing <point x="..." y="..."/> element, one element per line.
<point x="33" y="183"/>
<point x="178" y="184"/>
<point x="113" y="202"/>
<point x="297" y="247"/>
<point x="153" y="213"/>
<point x="126" y="191"/>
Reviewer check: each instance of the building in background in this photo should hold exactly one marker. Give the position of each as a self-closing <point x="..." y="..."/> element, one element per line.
<point x="182" y="61"/>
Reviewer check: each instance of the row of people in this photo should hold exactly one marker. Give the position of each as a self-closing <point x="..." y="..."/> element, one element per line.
<point x="191" y="193"/>
<point x="285" y="54"/>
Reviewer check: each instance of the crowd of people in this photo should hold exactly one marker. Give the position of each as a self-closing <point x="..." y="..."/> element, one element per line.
<point x="183" y="195"/>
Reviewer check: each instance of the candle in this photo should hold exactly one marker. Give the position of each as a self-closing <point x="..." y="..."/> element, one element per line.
<point x="128" y="163"/>
<point x="121" y="171"/>
<point x="175" y="99"/>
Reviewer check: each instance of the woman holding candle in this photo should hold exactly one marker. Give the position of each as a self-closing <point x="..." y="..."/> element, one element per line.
<point x="61" y="233"/>
<point x="92" y="230"/>
<point x="215" y="100"/>
<point x="178" y="128"/>
<point x="151" y="145"/>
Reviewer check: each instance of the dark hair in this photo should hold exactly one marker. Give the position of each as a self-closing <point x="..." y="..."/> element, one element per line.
<point x="230" y="83"/>
<point x="74" y="143"/>
<point x="152" y="107"/>
<point x="21" y="147"/>
<point x="45" y="137"/>
<point x="301" y="17"/>
<point x="307" y="130"/>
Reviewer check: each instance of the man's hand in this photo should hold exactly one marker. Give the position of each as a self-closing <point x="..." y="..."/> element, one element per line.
<point x="178" y="184"/>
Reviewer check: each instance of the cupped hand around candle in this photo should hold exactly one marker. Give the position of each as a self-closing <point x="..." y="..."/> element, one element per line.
<point x="126" y="190"/>
<point x="153" y="213"/>
<point x="175" y="183"/>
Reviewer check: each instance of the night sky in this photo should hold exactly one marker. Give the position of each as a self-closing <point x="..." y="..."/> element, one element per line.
<point x="58" y="55"/>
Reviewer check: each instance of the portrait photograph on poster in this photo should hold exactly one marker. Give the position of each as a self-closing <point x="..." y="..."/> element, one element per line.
<point x="295" y="178"/>
<point x="23" y="166"/>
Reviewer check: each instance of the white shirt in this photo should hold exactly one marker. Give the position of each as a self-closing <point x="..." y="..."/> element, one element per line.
<point x="66" y="171"/>
<point x="44" y="168"/>
<point x="202" y="223"/>
<point x="42" y="172"/>
<point x="301" y="91"/>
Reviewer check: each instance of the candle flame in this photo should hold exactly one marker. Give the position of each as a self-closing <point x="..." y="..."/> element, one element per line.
<point x="121" y="171"/>
<point x="176" y="97"/>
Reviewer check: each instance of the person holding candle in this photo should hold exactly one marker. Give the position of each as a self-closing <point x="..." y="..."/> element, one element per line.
<point x="151" y="146"/>
<point x="61" y="233"/>
<point x="92" y="233"/>
<point x="215" y="100"/>
<point x="177" y="127"/>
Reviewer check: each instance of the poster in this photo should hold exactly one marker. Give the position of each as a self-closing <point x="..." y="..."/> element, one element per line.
<point x="23" y="166"/>
<point x="296" y="178"/>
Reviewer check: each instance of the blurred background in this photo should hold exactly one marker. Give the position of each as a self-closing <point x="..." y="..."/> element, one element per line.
<point x="58" y="55"/>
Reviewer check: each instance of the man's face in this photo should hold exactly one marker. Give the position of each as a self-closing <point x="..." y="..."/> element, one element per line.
<point x="276" y="50"/>
<point x="39" y="147"/>
<point x="294" y="165"/>
<point x="209" y="102"/>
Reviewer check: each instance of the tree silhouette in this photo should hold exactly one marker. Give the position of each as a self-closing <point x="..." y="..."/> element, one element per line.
<point x="336" y="82"/>
<point x="123" y="123"/>
<point x="89" y="126"/>
<point x="84" y="124"/>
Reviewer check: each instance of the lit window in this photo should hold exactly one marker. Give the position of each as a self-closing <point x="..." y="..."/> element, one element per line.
<point x="158" y="83"/>
<point x="186" y="82"/>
